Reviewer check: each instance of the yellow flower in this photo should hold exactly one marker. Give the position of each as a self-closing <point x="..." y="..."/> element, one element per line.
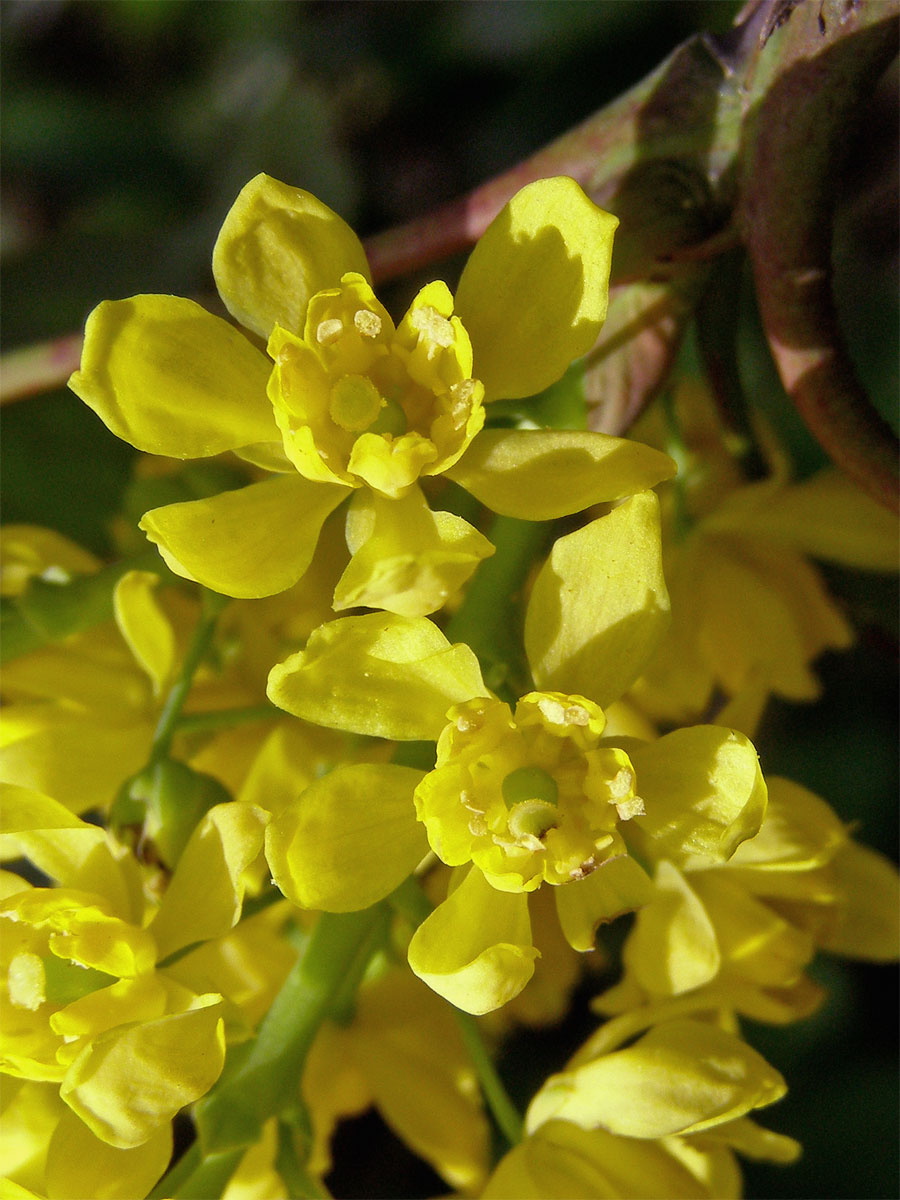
<point x="538" y="796"/>
<point x="748" y="607"/>
<point x="80" y="712"/>
<point x="346" y="402"/>
<point x="359" y="401"/>
<point x="527" y="798"/>
<point x="660" y="1117"/>
<point x="47" y="1152"/>
<point x="29" y="552"/>
<point x="738" y="935"/>
<point x="85" y="1002"/>
<point x="401" y="1051"/>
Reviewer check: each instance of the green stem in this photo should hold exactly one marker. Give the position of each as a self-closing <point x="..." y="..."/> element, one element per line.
<point x="411" y="902"/>
<point x="299" y="1184"/>
<point x="504" y="1111"/>
<point x="177" y="1174"/>
<point x="343" y="1001"/>
<point x="676" y="449"/>
<point x="213" y="604"/>
<point x="210" y="1178"/>
<point x="226" y="718"/>
<point x="490" y="617"/>
<point x="266" y="1077"/>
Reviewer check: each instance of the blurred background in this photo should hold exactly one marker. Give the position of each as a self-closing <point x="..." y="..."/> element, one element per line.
<point x="129" y="126"/>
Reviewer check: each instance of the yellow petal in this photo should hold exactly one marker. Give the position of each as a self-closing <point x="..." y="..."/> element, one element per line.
<point x="799" y="831"/>
<point x="672" y="948"/>
<point x="763" y="610"/>
<point x="92" y="670"/>
<point x="133" y="1079"/>
<point x="681" y="1077"/>
<point x="10" y="1190"/>
<point x="349" y="839"/>
<point x="144" y="625"/>
<point x="475" y="949"/>
<point x="170" y="378"/>
<point x="277" y="247"/>
<point x="562" y="1161"/>
<point x="203" y="899"/>
<point x="752" y="1141"/>
<point x="73" y="853"/>
<point x="81" y="1164"/>
<point x="73" y="758"/>
<point x="826" y="516"/>
<point x="599" y="605"/>
<point x="411" y="1053"/>
<point x="256" y="1177"/>
<point x="406" y="558"/>
<point x="252" y="542"/>
<point x="868" y="907"/>
<point x="756" y="943"/>
<point x="30" y="1112"/>
<point x="28" y="551"/>
<point x="381" y="675"/>
<point x="703" y="791"/>
<point x="533" y="293"/>
<point x="542" y="474"/>
<point x="619" y="885"/>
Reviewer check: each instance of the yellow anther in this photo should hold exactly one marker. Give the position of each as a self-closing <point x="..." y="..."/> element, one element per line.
<point x="26" y="981"/>
<point x="576" y="715"/>
<point x="327" y="331"/>
<point x="367" y="322"/>
<point x="552" y="710"/>
<point x="431" y="326"/>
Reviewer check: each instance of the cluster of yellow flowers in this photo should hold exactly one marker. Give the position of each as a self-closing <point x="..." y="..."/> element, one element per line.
<point x="256" y="847"/>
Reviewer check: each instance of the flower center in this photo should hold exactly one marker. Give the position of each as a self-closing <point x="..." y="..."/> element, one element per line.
<point x="529" y="783"/>
<point x="531" y="794"/>
<point x="355" y="403"/>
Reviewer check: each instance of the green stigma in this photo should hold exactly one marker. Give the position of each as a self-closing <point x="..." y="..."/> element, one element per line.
<point x="355" y="403"/>
<point x="391" y="419"/>
<point x="529" y="783"/>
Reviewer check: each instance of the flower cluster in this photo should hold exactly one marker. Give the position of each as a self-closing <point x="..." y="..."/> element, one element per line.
<point x="257" y="842"/>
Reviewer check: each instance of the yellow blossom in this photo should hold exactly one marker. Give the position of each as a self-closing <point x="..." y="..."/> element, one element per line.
<point x="346" y="402"/>
<point x="662" y="1116"/>
<point x="749" y="608"/>
<point x="538" y="796"/>
<point x="85" y="1001"/>
<point x="738" y="935"/>
<point x="50" y="1154"/>
<point x="530" y="797"/>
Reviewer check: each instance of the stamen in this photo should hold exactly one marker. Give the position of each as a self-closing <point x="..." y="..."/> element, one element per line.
<point x="632" y="807"/>
<point x="367" y="322"/>
<point x="552" y="710"/>
<point x="576" y="715"/>
<point x="431" y="326"/>
<point x="26" y="982"/>
<point x="328" y="331"/>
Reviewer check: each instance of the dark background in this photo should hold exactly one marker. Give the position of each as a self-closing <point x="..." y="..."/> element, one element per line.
<point x="128" y="127"/>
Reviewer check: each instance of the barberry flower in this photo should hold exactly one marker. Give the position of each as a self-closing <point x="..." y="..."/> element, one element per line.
<point x="47" y="1152"/>
<point x="518" y="799"/>
<point x="85" y="1001"/>
<point x="346" y="402"/>
<point x="739" y="934"/>
<point x="400" y="1051"/>
<point x="749" y="608"/>
<point x="663" y="1116"/>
